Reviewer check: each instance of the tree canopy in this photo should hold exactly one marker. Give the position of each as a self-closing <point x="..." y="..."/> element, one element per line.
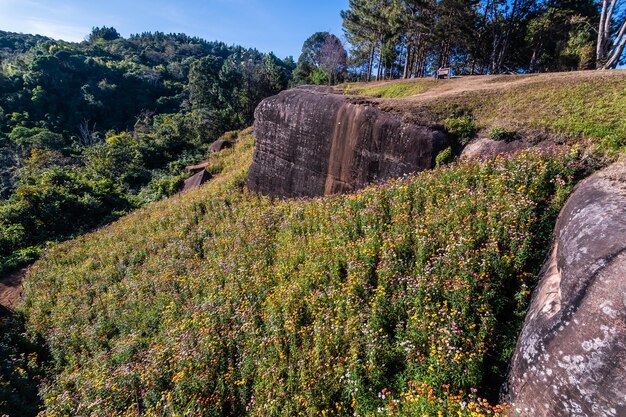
<point x="413" y="38"/>
<point x="323" y="60"/>
<point x="91" y="130"/>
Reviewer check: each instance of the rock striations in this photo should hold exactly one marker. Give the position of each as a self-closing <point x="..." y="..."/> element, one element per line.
<point x="313" y="142"/>
<point x="570" y="359"/>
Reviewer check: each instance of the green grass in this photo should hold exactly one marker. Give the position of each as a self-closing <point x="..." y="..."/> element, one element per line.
<point x="392" y="90"/>
<point x="219" y="302"/>
<point x="585" y="107"/>
<point x="590" y="108"/>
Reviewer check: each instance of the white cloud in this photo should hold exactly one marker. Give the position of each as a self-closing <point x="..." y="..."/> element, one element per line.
<point x="57" y="30"/>
<point x="41" y="18"/>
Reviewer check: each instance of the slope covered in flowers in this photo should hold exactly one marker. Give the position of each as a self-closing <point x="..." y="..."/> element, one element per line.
<point x="403" y="299"/>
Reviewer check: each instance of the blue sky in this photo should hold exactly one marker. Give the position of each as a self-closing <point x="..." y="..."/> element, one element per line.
<point x="280" y="26"/>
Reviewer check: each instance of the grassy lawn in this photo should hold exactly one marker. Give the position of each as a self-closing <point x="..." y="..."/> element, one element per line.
<point x="392" y="89"/>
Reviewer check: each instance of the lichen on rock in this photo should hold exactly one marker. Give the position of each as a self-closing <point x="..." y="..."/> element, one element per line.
<point x="570" y="358"/>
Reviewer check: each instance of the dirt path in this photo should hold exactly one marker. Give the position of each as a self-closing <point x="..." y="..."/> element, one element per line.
<point x="11" y="289"/>
<point x="471" y="84"/>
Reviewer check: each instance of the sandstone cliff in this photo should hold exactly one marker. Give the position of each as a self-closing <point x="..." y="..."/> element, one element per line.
<point x="312" y="142"/>
<point x="571" y="355"/>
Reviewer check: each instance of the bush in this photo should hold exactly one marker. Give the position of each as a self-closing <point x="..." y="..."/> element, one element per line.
<point x="19" y="259"/>
<point x="501" y="133"/>
<point x="444" y="157"/>
<point x="11" y="235"/>
<point x="319" y="77"/>
<point x="461" y="127"/>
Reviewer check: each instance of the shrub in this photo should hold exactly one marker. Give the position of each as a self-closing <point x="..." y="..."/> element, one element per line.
<point x="20" y="369"/>
<point x="19" y="259"/>
<point x="501" y="133"/>
<point x="444" y="157"/>
<point x="319" y="77"/>
<point x="461" y="127"/>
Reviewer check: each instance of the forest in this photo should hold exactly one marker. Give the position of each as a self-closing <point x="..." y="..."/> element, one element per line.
<point x="412" y="38"/>
<point x="90" y="131"/>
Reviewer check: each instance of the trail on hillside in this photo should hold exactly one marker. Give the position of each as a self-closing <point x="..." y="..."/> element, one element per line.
<point x="11" y="289"/>
<point x="472" y="84"/>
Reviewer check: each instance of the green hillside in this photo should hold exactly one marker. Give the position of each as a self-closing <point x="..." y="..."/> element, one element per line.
<point x="586" y="105"/>
<point x="405" y="298"/>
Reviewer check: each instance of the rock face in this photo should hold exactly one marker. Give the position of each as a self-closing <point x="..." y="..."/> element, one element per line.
<point x="312" y="142"/>
<point x="570" y="358"/>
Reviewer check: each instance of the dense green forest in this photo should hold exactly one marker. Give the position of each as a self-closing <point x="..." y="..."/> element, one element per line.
<point x="91" y="130"/>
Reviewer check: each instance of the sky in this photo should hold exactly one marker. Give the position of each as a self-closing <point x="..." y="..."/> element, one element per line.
<point x="279" y="26"/>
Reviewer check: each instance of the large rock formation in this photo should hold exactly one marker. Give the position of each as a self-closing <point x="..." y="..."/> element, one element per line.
<point x="312" y="142"/>
<point x="570" y="358"/>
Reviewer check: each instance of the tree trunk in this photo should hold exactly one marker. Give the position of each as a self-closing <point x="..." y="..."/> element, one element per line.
<point x="496" y="41"/>
<point x="609" y="51"/>
<point x="507" y="37"/>
<point x="407" y="60"/>
<point x="370" y="65"/>
<point x="604" y="32"/>
<point x="380" y="64"/>
<point x="618" y="48"/>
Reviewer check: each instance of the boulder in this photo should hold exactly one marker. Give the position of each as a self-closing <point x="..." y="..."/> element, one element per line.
<point x="220" y="145"/>
<point x="196" y="180"/>
<point x="482" y="148"/>
<point x="200" y="166"/>
<point x="570" y="358"/>
<point x="314" y="142"/>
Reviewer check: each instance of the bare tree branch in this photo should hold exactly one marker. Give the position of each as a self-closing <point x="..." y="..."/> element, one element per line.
<point x="86" y="134"/>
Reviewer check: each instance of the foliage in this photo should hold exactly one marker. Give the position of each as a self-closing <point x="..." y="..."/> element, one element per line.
<point x="104" y="33"/>
<point x="220" y="302"/>
<point x="444" y="157"/>
<point x="21" y="369"/>
<point x="504" y="134"/>
<point x="18" y="258"/>
<point x="461" y="127"/>
<point x="91" y="130"/>
<point x="323" y="61"/>
<point x="401" y="39"/>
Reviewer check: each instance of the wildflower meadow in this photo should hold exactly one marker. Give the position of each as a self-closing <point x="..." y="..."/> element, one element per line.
<point x="402" y="299"/>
